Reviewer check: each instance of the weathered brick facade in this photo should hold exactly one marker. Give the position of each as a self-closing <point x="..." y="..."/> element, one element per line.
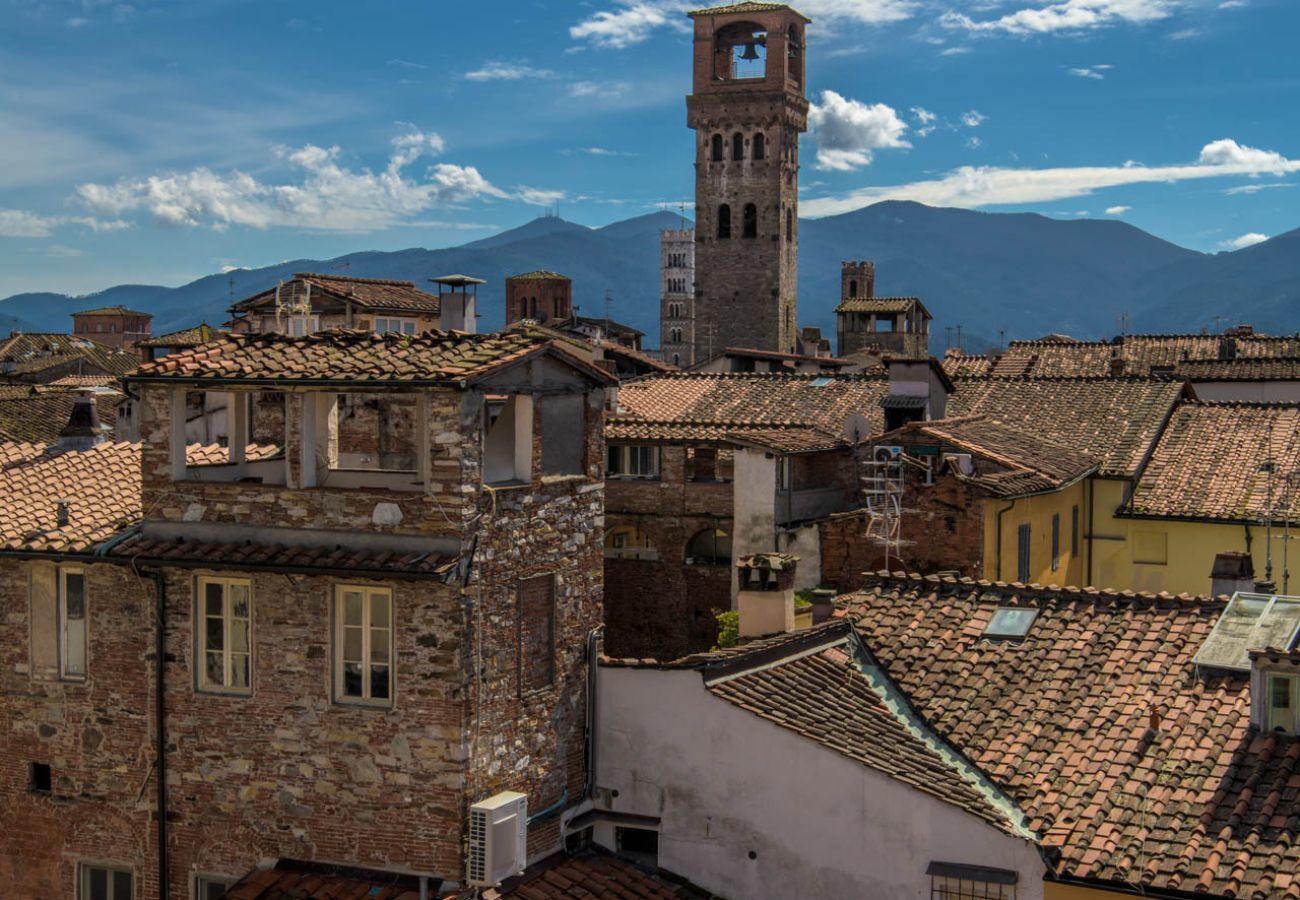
<point x="747" y="126"/>
<point x="544" y="297"/>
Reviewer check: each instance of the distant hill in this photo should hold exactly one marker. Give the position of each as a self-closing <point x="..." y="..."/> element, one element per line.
<point x="1019" y="274"/>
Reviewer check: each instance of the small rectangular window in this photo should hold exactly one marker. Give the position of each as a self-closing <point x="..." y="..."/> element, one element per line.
<point x="225" y="635"/>
<point x="1010" y="623"/>
<point x="634" y="462"/>
<point x="536" y="633"/>
<point x="211" y="887"/>
<point x="72" y="624"/>
<point x="1074" y="531"/>
<point x="1283" y="703"/>
<point x="363" y="645"/>
<point x="39" y="778"/>
<point x="1022" y="554"/>
<point x="105" y="883"/>
<point x="1056" y="541"/>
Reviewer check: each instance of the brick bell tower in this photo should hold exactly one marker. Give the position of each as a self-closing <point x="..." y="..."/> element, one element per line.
<point x="748" y="109"/>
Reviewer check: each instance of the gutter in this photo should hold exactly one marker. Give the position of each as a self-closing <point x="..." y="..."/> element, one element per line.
<point x="997" y="559"/>
<point x="160" y="719"/>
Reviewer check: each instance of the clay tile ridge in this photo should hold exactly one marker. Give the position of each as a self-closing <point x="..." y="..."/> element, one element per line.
<point x="1050" y="591"/>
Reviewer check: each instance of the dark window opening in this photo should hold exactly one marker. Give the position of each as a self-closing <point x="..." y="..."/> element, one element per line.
<point x="564" y="434"/>
<point x="1074" y="530"/>
<point x="39" y="779"/>
<point x="536" y="633"/>
<point x="711" y="547"/>
<point x="638" y="843"/>
<point x="760" y="148"/>
<point x="1056" y="541"/>
<point x="897" y="417"/>
<point x="717" y="148"/>
<point x="789" y="224"/>
<point x="737" y="146"/>
<point x="751" y="221"/>
<point x="579" y="840"/>
<point x="1022" y="554"/>
<point x="853" y="288"/>
<point x="724" y="222"/>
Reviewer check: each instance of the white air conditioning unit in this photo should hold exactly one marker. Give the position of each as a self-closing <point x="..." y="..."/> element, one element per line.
<point x="887" y="453"/>
<point x="498" y="839"/>
<point x="962" y="462"/>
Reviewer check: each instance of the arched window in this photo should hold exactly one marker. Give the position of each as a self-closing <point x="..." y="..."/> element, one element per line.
<point x="853" y="288"/>
<point x="751" y="221"/>
<point x="724" y="222"/>
<point x="677" y="360"/>
<point x="711" y="547"/>
<point x="717" y="148"/>
<point x="789" y="224"/>
<point x="629" y="542"/>
<point x="759" y="148"/>
<point x="737" y="146"/>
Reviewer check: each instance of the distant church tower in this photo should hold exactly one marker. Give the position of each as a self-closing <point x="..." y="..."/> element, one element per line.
<point x="748" y="109"/>
<point x="677" y="296"/>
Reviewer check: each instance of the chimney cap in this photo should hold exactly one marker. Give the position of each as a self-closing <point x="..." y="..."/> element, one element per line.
<point x="771" y="560"/>
<point x="83" y="429"/>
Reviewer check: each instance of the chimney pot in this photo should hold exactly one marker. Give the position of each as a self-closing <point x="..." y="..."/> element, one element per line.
<point x="61" y="513"/>
<point x="83" y="430"/>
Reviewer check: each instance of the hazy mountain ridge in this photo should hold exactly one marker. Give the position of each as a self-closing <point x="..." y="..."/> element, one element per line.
<point x="1018" y="273"/>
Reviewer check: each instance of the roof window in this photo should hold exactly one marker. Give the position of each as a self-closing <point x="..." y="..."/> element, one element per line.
<point x="821" y="382"/>
<point x="1250" y="622"/>
<point x="1010" y="623"/>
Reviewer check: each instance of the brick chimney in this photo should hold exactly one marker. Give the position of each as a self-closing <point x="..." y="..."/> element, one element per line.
<point x="1232" y="572"/>
<point x="83" y="430"/>
<point x="765" y="594"/>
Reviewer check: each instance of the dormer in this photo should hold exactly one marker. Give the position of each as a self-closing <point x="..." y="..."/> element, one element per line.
<point x="1275" y="689"/>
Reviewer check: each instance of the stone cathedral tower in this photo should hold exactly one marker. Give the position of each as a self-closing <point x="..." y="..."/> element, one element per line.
<point x="748" y="109"/>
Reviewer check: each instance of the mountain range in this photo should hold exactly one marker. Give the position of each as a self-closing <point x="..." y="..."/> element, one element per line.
<point x="995" y="275"/>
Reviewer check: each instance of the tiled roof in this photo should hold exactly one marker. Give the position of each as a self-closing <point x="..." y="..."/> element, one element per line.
<point x="614" y="348"/>
<point x="838" y="697"/>
<point x="367" y="293"/>
<point x="677" y="406"/>
<point x="306" y="881"/>
<point x="111" y="311"/>
<point x="539" y="275"/>
<point x="1115" y="420"/>
<point x="358" y="356"/>
<point x="337" y="558"/>
<point x="1138" y="769"/>
<point x="101" y="486"/>
<point x="747" y="6"/>
<point x="1141" y="353"/>
<point x="32" y="353"/>
<point x="956" y="364"/>
<point x="1243" y="368"/>
<point x="788" y="440"/>
<point x="16" y="451"/>
<point x="590" y="876"/>
<point x="39" y="417"/>
<point x="188" y="337"/>
<point x="609" y="326"/>
<point x="1207" y="464"/>
<point x="752" y="353"/>
<point x="881" y="305"/>
<point x="1028" y="464"/>
<point x="84" y="381"/>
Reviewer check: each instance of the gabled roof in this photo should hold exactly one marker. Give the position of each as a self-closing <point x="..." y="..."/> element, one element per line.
<point x="187" y="337"/>
<point x="1141" y="353"/>
<point x="1114" y="420"/>
<point x="28" y="354"/>
<point x="539" y="275"/>
<point x="588" y="876"/>
<point x="956" y="364"/>
<point x="111" y="311"/>
<point x="366" y="293"/>
<point x="749" y="6"/>
<point x="1025" y="462"/>
<point x="609" y="326"/>
<point x="1209" y="464"/>
<point x="752" y="353"/>
<point x="676" y="406"/>
<point x="39" y="416"/>
<point x="1140" y="771"/>
<point x="1243" y="368"/>
<point x="339" y="357"/>
<point x="882" y="305"/>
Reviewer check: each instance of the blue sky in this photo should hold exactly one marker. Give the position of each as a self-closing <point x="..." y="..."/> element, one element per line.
<point x="155" y="141"/>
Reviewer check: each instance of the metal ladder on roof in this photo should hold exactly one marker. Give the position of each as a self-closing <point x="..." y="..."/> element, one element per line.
<point x="883" y="485"/>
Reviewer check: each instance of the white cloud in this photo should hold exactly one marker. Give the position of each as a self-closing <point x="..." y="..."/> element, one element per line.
<point x="499" y="71"/>
<point x="327" y="196"/>
<point x="1184" y="34"/>
<point x="1233" y="4"/>
<point x="1246" y="240"/>
<point x="848" y="131"/>
<point x="406" y="64"/>
<point x="955" y="51"/>
<point x="63" y="251"/>
<point x="973" y="143"/>
<point x="23" y="224"/>
<point x="973" y="119"/>
<point x="540" y="196"/>
<point x="599" y="90"/>
<point x="978" y="186"/>
<point x="633" y="21"/>
<point x="1117" y="210"/>
<point x="1067" y="15"/>
<point x="1097" y="72"/>
<point x="1257" y="187"/>
<point x="923" y="115"/>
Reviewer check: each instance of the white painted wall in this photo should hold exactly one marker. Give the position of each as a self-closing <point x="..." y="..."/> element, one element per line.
<point x="754" y="514"/>
<point x="805" y="543"/>
<point x="726" y="783"/>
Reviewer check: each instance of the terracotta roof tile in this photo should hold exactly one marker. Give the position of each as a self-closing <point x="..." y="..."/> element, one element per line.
<point x="1114" y="420"/>
<point x="291" y="880"/>
<point x="337" y="558"/>
<point x="751" y="353"/>
<point x="1207" y="464"/>
<point x="589" y="876"/>
<point x="881" y="305"/>
<point x="367" y="293"/>
<point x="1243" y="368"/>
<point x="743" y="7"/>
<point x="29" y="354"/>
<point x="357" y="356"/>
<point x="956" y="364"/>
<point x="83" y="381"/>
<point x="1141" y="354"/>
<point x="539" y="275"/>
<point x="111" y="311"/>
<point x="39" y="416"/>
<point x="710" y="406"/>
<point x="1063" y="722"/>
<point x="187" y="337"/>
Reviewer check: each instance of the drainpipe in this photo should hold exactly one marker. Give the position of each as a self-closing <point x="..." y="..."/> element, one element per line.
<point x="160" y="729"/>
<point x="997" y="559"/>
<point x="593" y="639"/>
<point x="1091" y="527"/>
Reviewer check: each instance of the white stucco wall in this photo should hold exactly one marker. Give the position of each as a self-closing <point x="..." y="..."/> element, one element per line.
<point x="754" y="498"/>
<point x="726" y="783"/>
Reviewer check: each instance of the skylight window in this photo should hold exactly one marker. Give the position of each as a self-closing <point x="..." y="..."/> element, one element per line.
<point x="1010" y="623"/>
<point x="821" y="382"/>
<point x="1250" y="622"/>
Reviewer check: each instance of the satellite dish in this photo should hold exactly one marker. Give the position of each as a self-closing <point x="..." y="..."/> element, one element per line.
<point x="857" y="427"/>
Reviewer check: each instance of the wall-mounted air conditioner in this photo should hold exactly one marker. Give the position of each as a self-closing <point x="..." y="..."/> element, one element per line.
<point x="498" y="839"/>
<point x="887" y="453"/>
<point x="962" y="462"/>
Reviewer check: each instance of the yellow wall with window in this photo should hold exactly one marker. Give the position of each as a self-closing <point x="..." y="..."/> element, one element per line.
<point x="1125" y="554"/>
<point x="1037" y="513"/>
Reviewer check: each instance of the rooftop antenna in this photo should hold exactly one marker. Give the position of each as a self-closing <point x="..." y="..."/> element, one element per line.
<point x="681" y="213"/>
<point x="1002" y="339"/>
<point x="958" y="338"/>
<point x="1122" y="322"/>
<point x="947" y="338"/>
<point x="609" y="303"/>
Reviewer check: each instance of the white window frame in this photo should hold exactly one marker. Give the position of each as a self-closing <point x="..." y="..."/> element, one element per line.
<point x="202" y="881"/>
<point x="66" y="673"/>
<point x="394" y="325"/>
<point x="1288" y="717"/>
<point x="307" y="325"/>
<point x="228" y="629"/>
<point x="628" y="452"/>
<point x="83" y="879"/>
<point x="367" y="661"/>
